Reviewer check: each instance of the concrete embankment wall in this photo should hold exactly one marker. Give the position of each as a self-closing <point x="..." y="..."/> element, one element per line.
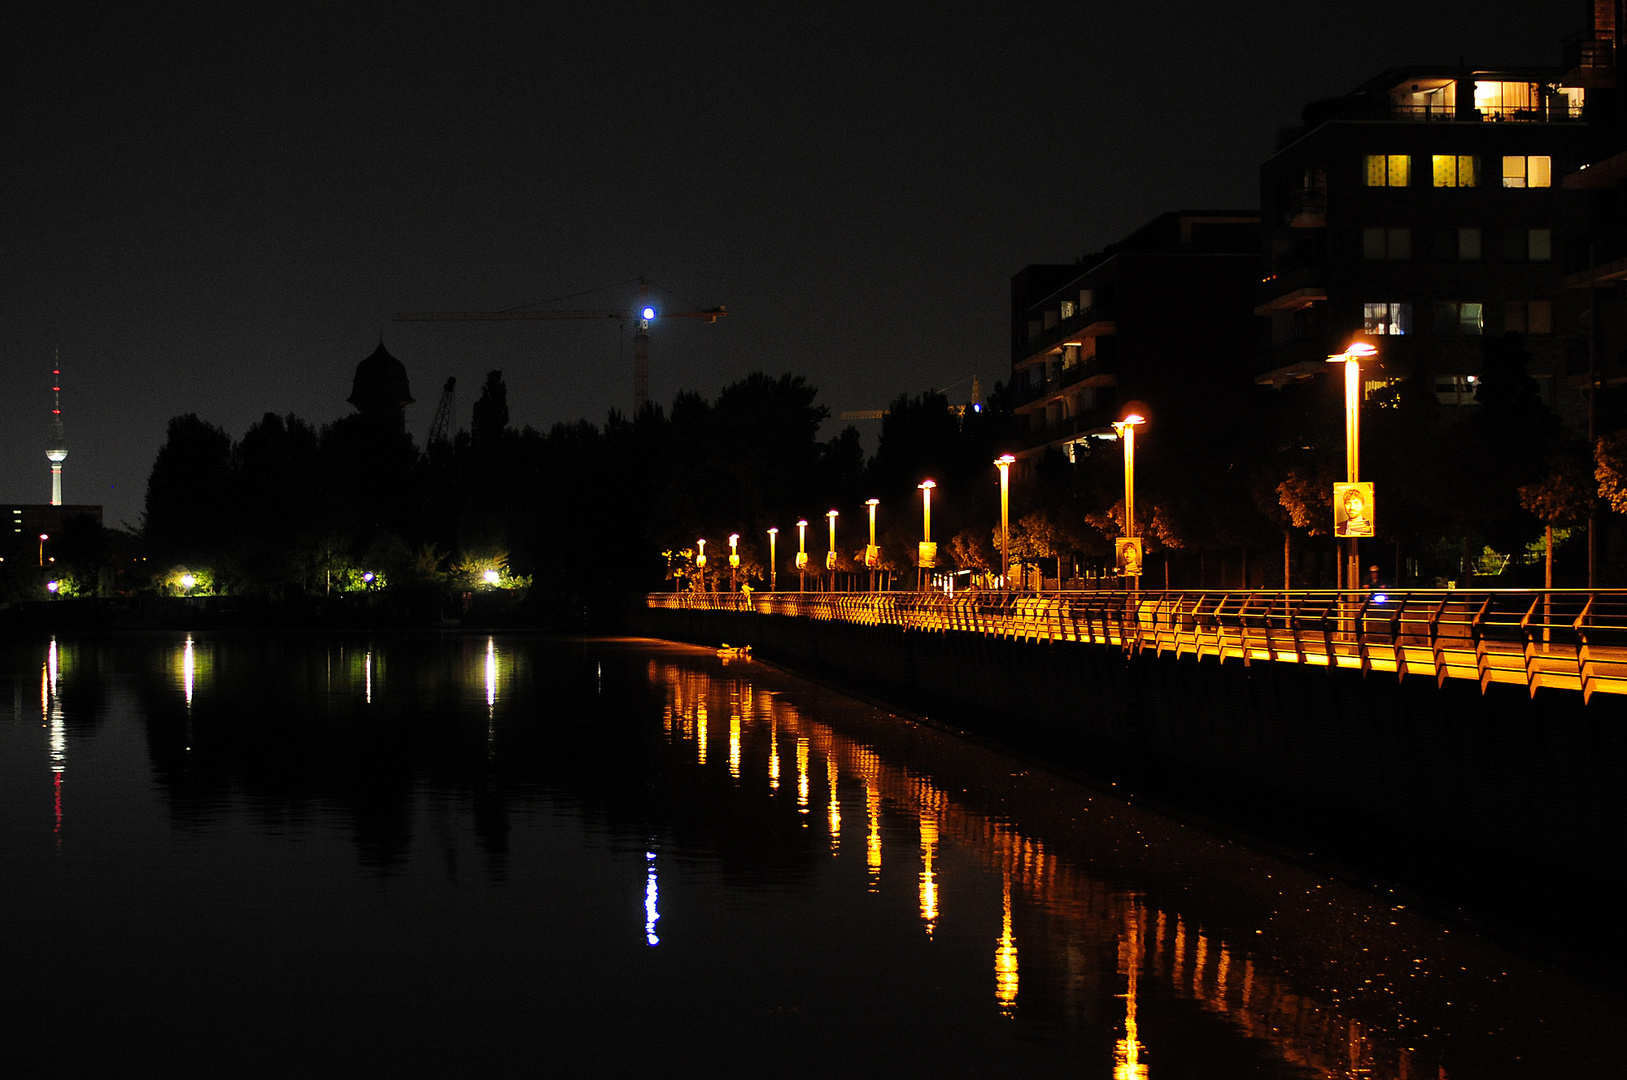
<point x="1400" y="778"/>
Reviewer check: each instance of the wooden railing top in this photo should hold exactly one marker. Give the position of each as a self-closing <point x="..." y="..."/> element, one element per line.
<point x="1566" y="639"/>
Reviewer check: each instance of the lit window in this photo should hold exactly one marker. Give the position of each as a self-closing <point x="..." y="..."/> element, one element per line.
<point x="1527" y="172"/>
<point x="1529" y="316"/>
<point x="1386" y="243"/>
<point x="1067" y="309"/>
<point x="1455" y="170"/>
<point x="1388" y="170"/>
<point x="1387" y="317"/>
<point x="1458" y="318"/>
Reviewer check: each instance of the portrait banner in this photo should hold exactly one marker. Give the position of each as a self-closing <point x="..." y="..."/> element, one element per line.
<point x="1127" y="555"/>
<point x="1353" y="509"/>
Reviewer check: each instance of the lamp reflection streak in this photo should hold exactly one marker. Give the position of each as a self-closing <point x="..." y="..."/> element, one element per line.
<point x="802" y="775"/>
<point x="1005" y="957"/>
<point x="734" y="745"/>
<point x="1302" y="1027"/>
<point x="367" y="677"/>
<point x="652" y="896"/>
<point x="835" y="805"/>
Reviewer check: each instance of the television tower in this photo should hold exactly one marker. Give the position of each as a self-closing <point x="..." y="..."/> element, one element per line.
<point x="55" y="448"/>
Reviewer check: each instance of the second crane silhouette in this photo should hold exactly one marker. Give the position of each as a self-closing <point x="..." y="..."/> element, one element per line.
<point x="641" y="317"/>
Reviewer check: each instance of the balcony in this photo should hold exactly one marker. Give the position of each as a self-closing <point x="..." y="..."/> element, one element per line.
<point x="1093" y="321"/>
<point x="1062" y="378"/>
<point x="1292" y="287"/>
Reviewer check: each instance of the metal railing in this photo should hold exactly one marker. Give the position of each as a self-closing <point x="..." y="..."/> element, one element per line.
<point x="1562" y="639"/>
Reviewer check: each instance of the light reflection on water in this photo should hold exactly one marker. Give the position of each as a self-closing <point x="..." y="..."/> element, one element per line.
<point x="1096" y="972"/>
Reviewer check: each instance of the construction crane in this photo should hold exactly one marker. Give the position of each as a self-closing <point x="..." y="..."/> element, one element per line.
<point x="443" y="413"/>
<point x="641" y="316"/>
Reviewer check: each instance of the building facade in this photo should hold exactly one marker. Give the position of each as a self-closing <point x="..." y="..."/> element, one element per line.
<point x="1425" y="211"/>
<point x="1161" y="318"/>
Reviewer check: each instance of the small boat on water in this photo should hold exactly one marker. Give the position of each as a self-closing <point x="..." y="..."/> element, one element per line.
<point x="734" y="652"/>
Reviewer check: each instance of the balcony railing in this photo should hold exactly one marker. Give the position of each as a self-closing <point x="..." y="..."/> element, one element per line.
<point x="1571" y="640"/>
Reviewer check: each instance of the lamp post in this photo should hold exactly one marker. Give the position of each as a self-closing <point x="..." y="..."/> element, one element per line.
<point x="830" y="555"/>
<point x="927" y="554"/>
<point x="1127" y="431"/>
<point x="872" y="554"/>
<point x="773" y="563"/>
<point x="1004" y="463"/>
<point x="802" y="555"/>
<point x="700" y="563"/>
<point x="1351" y="358"/>
<point x="734" y="562"/>
<point x="43" y="538"/>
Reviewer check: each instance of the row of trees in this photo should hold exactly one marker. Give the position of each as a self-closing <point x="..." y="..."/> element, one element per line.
<point x="1234" y="486"/>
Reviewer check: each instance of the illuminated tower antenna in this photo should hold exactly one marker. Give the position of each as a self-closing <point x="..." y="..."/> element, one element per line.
<point x="55" y="448"/>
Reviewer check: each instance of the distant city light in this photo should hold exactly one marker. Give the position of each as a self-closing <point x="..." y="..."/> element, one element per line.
<point x="649" y="313"/>
<point x="490" y="577"/>
<point x="368" y="577"/>
<point x="51" y="586"/>
<point x="188" y="580"/>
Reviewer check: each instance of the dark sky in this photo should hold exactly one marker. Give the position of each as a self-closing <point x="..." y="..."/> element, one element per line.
<point x="220" y="214"/>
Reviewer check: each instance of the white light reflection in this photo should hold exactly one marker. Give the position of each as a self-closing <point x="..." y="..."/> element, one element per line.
<point x="700" y="732"/>
<point x="51" y="707"/>
<point x="188" y="668"/>
<point x="367" y="675"/>
<point x="651" y="896"/>
<point x="491" y="673"/>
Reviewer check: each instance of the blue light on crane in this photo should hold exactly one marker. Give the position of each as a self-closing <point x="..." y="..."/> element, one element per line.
<point x="649" y="313"/>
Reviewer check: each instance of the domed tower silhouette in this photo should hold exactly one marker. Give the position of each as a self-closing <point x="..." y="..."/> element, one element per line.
<point x="56" y="448"/>
<point x="380" y="391"/>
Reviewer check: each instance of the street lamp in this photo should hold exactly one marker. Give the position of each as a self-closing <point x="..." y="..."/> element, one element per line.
<point x="773" y="563"/>
<point x="734" y="562"/>
<point x="1004" y="463"/>
<point x="927" y="554"/>
<point x="1351" y="358"/>
<point x="43" y="538"/>
<point x="802" y="555"/>
<point x="700" y="563"/>
<point x="1126" y="429"/>
<point x="830" y="554"/>
<point x="872" y="554"/>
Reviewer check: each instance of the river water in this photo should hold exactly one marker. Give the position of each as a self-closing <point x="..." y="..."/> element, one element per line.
<point x="459" y="854"/>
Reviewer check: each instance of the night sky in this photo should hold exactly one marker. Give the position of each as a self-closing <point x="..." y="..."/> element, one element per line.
<point x="221" y="215"/>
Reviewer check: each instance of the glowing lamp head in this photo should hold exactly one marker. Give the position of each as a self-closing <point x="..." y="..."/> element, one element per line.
<point x="734" y="538"/>
<point x="649" y="313"/>
<point x="802" y="524"/>
<point x="1005" y="460"/>
<point x="368" y="577"/>
<point x="1131" y="419"/>
<point x="1357" y="350"/>
<point x="188" y="580"/>
<point x="927" y="485"/>
<point x="832" y="514"/>
<point x="872" y="502"/>
<point x="774" y="532"/>
<point x="51" y="586"/>
<point x="490" y="577"/>
<point x="45" y="536"/>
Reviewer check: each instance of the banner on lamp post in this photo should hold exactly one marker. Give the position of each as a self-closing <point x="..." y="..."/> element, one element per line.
<point x="1353" y="509"/>
<point x="1127" y="555"/>
<point x="926" y="554"/>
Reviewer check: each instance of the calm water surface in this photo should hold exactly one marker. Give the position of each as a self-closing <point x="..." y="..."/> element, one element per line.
<point x="449" y="855"/>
